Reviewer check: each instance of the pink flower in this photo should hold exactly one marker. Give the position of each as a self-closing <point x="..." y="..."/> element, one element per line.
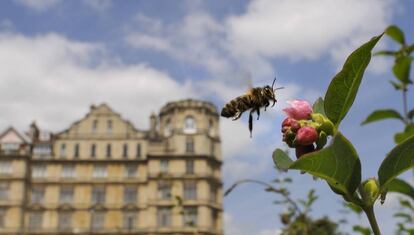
<point x="290" y="123"/>
<point x="306" y="136"/>
<point x="299" y="109"/>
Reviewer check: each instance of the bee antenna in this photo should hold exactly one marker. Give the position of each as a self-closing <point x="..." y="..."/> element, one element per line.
<point x="279" y="88"/>
<point x="273" y="82"/>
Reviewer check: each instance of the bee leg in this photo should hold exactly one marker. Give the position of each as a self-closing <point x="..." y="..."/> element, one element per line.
<point x="237" y="115"/>
<point x="251" y="122"/>
<point x="266" y="105"/>
<point x="274" y="102"/>
<point x="258" y="113"/>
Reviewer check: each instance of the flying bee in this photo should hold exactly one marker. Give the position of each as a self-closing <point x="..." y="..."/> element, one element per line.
<point x="254" y="99"/>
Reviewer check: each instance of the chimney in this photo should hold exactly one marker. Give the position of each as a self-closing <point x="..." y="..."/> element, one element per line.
<point x="34" y="132"/>
<point x="153" y="125"/>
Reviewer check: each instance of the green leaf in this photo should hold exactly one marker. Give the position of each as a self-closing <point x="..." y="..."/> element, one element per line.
<point x="362" y="230"/>
<point x="338" y="164"/>
<point x="385" y="53"/>
<point x="400" y="186"/>
<point x="410" y="49"/>
<point x="407" y="133"/>
<point x="381" y="114"/>
<point x="344" y="86"/>
<point x="397" y="86"/>
<point x="281" y="159"/>
<point x="400" y="159"/>
<point x="401" y="69"/>
<point x="411" y="114"/>
<point x="318" y="106"/>
<point x="395" y="33"/>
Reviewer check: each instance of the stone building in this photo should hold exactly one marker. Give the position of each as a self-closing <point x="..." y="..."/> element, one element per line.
<point x="104" y="176"/>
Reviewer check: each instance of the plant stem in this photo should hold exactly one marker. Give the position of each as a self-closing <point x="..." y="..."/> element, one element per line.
<point x="369" y="211"/>
<point x="406" y="118"/>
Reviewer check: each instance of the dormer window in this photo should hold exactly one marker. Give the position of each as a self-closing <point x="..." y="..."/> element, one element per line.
<point x="190" y="126"/>
<point x="109" y="127"/>
<point x="95" y="126"/>
<point x="167" y="128"/>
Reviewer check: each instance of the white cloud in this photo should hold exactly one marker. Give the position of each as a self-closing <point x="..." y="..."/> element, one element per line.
<point x="38" y="5"/>
<point x="50" y="78"/>
<point x="297" y="29"/>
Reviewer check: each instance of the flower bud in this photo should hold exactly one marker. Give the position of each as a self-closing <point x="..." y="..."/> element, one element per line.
<point x="299" y="109"/>
<point x="301" y="150"/>
<point x="321" y="142"/>
<point x="289" y="137"/>
<point x="370" y="190"/>
<point x="306" y="136"/>
<point x="291" y="123"/>
<point x="328" y="127"/>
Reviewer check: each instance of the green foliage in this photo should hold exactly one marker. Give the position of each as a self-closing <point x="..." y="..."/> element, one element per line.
<point x="400" y="159"/>
<point x="395" y="33"/>
<point x="382" y="114"/>
<point x="303" y="225"/>
<point x="344" y="86"/>
<point x="401" y="69"/>
<point x="362" y="230"/>
<point x="407" y="133"/>
<point x="402" y="187"/>
<point x="338" y="164"/>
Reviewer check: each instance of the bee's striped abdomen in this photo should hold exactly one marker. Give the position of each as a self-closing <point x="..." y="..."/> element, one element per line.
<point x="237" y="105"/>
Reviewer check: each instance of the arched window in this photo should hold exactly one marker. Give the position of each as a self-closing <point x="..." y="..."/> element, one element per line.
<point x="190" y="125"/>
<point x="93" y="150"/>
<point x="109" y="126"/>
<point x="108" y="150"/>
<point x="211" y="127"/>
<point x="94" y="126"/>
<point x="76" y="151"/>
<point x="167" y="128"/>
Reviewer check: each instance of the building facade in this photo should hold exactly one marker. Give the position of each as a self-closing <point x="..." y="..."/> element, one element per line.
<point x="104" y="176"/>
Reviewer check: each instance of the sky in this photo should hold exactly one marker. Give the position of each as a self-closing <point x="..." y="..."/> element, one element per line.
<point x="59" y="57"/>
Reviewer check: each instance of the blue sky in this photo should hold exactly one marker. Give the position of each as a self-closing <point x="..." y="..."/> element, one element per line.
<point x="137" y="55"/>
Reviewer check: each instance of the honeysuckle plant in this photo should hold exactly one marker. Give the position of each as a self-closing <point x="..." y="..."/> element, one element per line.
<point x="324" y="152"/>
<point x="402" y="82"/>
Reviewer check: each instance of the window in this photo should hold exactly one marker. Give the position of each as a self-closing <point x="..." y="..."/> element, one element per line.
<point x="215" y="216"/>
<point x="108" y="150"/>
<point x="190" y="216"/>
<point x="138" y="155"/>
<point x="2" y="217"/>
<point x="65" y="220"/>
<point x="167" y="128"/>
<point x="37" y="194"/>
<point x="190" y="125"/>
<point x="10" y="147"/>
<point x="164" y="166"/>
<point x="62" y="152"/>
<point x="39" y="171"/>
<point x="212" y="149"/>
<point x="98" y="195"/>
<point x="94" y="126"/>
<point x="76" y="151"/>
<point x="130" y="195"/>
<point x="213" y="193"/>
<point x="189" y="145"/>
<point x="164" y="190"/>
<point x="5" y="167"/>
<point x="164" y="216"/>
<point x="125" y="151"/>
<point x="211" y="127"/>
<point x="189" y="166"/>
<point x="35" y="220"/>
<point x="109" y="127"/>
<point x="93" y="150"/>
<point x="130" y="171"/>
<point x="130" y="219"/>
<point x="4" y="189"/>
<point x="98" y="219"/>
<point x="68" y="171"/>
<point x="99" y="172"/>
<point x="42" y="150"/>
<point x="190" y="190"/>
<point x="66" y="195"/>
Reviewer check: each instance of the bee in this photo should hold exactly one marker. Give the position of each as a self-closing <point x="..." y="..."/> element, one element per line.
<point x="254" y="99"/>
